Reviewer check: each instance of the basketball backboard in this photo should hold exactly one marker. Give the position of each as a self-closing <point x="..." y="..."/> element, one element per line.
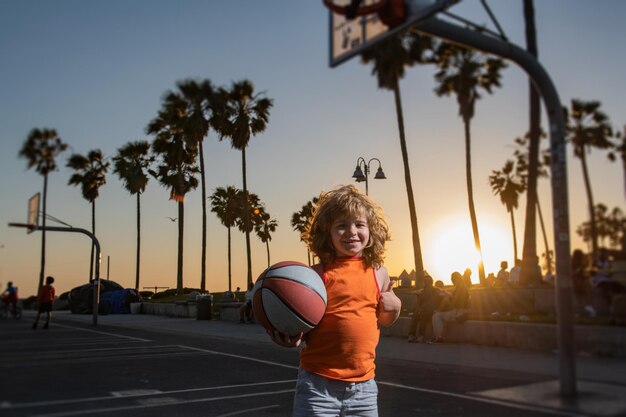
<point x="33" y="212"/>
<point x="349" y="38"/>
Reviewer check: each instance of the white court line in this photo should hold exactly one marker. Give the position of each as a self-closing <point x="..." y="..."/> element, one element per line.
<point x="246" y="411"/>
<point x="178" y="402"/>
<point x="105" y="333"/>
<point x="508" y="404"/>
<point x="248" y="358"/>
<point x="116" y="395"/>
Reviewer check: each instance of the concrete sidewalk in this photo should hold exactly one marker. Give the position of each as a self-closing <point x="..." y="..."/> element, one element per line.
<point x="589" y="369"/>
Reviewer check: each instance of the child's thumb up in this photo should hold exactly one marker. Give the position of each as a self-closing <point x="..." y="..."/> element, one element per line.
<point x="389" y="287"/>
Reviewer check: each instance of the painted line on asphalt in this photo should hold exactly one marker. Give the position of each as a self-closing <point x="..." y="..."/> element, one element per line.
<point x="234" y="413"/>
<point x="116" y="395"/>
<point x="507" y="404"/>
<point x="248" y="358"/>
<point x="171" y="401"/>
<point x="101" y="332"/>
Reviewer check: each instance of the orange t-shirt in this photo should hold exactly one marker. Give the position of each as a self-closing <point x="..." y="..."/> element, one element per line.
<point x="46" y="294"/>
<point x="343" y="345"/>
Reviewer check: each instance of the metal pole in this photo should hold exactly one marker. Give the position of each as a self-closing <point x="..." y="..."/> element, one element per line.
<point x="96" y="282"/>
<point x="541" y="79"/>
<point x="108" y="264"/>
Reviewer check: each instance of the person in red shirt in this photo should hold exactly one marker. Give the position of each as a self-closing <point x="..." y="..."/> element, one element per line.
<point x="45" y="299"/>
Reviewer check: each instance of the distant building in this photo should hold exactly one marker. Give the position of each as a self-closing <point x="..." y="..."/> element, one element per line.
<point x="406" y="280"/>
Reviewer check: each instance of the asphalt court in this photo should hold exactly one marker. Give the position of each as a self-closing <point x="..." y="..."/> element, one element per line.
<point x="150" y="366"/>
<point x="73" y="371"/>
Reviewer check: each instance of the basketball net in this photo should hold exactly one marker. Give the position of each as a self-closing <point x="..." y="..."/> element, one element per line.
<point x="390" y="12"/>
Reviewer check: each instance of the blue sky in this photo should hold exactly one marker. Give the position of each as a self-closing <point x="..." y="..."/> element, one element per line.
<point x="96" y="72"/>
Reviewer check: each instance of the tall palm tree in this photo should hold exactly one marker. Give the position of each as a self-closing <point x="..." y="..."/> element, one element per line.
<point x="522" y="170"/>
<point x="300" y="220"/>
<point x="131" y="164"/>
<point x="620" y="149"/>
<point x="529" y="250"/>
<point x="389" y="59"/>
<point x="40" y="149"/>
<point x="195" y="96"/>
<point x="176" y="168"/>
<point x="264" y="226"/>
<point x="588" y="127"/>
<point x="90" y="174"/>
<point x="506" y="184"/>
<point x="239" y="114"/>
<point x="463" y="72"/>
<point x="226" y="203"/>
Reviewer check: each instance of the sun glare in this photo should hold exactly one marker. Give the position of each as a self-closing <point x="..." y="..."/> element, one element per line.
<point x="453" y="250"/>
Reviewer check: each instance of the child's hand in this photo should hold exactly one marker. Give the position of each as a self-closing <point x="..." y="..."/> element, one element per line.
<point x="388" y="299"/>
<point x="284" y="339"/>
<point x="389" y="305"/>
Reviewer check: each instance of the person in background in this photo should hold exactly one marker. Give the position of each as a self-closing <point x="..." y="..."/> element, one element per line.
<point x="45" y="298"/>
<point x="515" y="273"/>
<point x="9" y="296"/>
<point x="453" y="308"/>
<point x="427" y="302"/>
<point x="502" y="279"/>
<point x="581" y="283"/>
<point x="245" y="311"/>
<point x="467" y="277"/>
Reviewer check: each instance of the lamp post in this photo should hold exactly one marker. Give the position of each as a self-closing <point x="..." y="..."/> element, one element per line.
<point x="361" y="173"/>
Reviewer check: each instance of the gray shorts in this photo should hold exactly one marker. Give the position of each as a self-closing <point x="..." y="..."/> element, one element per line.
<point x="319" y="396"/>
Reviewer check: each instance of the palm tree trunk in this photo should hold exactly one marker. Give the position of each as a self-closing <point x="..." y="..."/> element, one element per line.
<point x="417" y="249"/>
<point x="93" y="230"/>
<point x="43" y="232"/>
<point x="181" y="228"/>
<point x="246" y="216"/>
<point x="203" y="257"/>
<point x="138" y="241"/>
<point x="229" y="262"/>
<point x="267" y="245"/>
<point x="470" y="199"/>
<point x="545" y="238"/>
<point x="592" y="213"/>
<point x="514" y="237"/>
<point x="529" y="250"/>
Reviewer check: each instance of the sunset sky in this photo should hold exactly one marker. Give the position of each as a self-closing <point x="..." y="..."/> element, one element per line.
<point x="96" y="71"/>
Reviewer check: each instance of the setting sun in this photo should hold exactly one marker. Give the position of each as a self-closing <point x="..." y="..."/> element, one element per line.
<point x="453" y="249"/>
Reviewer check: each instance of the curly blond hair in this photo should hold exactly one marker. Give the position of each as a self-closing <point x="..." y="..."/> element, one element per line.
<point x="342" y="202"/>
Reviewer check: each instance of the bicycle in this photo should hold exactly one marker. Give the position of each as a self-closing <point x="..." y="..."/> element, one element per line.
<point x="5" y="310"/>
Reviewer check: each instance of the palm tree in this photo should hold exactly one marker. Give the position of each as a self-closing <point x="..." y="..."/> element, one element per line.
<point x="239" y="114"/>
<point x="40" y="149"/>
<point x="588" y="127"/>
<point x="620" y="148"/>
<point x="195" y="96"/>
<point x="90" y="174"/>
<point x="131" y="164"/>
<point x="506" y="184"/>
<point x="464" y="72"/>
<point x="522" y="170"/>
<point x="176" y="168"/>
<point x="226" y="203"/>
<point x="300" y="220"/>
<point x="529" y="250"/>
<point x="389" y="59"/>
<point x="264" y="226"/>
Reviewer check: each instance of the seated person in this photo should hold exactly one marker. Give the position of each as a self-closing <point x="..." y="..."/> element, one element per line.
<point x="452" y="308"/>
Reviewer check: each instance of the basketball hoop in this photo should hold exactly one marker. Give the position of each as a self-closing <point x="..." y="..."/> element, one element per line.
<point x="391" y="12"/>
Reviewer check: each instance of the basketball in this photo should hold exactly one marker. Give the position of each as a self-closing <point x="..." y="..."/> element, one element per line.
<point x="289" y="297"/>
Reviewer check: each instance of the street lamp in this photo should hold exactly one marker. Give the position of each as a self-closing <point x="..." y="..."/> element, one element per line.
<point x="361" y="173"/>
